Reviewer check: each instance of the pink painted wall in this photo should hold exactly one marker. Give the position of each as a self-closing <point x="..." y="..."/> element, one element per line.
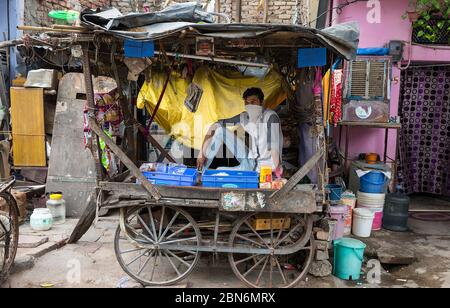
<point x="391" y="27"/>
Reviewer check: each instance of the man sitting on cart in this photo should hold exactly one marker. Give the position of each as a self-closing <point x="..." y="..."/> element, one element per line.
<point x="262" y="125"/>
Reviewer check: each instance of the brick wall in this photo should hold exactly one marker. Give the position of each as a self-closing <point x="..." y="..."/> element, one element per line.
<point x="279" y="11"/>
<point x="36" y="11"/>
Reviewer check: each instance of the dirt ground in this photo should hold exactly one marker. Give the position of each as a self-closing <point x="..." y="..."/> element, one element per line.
<point x="94" y="260"/>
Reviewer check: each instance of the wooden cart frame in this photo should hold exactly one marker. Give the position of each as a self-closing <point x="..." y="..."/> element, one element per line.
<point x="158" y="230"/>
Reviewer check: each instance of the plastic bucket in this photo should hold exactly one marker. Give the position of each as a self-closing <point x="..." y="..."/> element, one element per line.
<point x="335" y="192"/>
<point x="373" y="182"/>
<point x="338" y="213"/>
<point x="374" y="203"/>
<point x="362" y="222"/>
<point x="378" y="216"/>
<point x="348" y="258"/>
<point x="350" y="202"/>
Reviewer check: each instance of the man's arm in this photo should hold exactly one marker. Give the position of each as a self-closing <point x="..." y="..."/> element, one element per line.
<point x="273" y="139"/>
<point x="201" y="160"/>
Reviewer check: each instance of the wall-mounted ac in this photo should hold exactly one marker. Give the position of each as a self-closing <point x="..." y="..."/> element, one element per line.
<point x="367" y="89"/>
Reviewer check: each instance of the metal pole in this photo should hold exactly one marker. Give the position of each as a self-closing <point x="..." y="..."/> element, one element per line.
<point x="212" y="59"/>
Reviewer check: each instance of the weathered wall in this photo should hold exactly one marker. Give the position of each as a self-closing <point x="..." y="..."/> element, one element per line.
<point x="36" y="11"/>
<point x="251" y="12"/>
<point x="391" y="26"/>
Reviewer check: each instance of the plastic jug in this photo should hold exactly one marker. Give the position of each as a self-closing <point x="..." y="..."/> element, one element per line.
<point x="57" y="207"/>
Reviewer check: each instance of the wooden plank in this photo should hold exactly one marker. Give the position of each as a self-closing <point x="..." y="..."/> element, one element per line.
<point x="372" y="125"/>
<point x="124" y="159"/>
<point x="88" y="216"/>
<point x="298" y="176"/>
<point x="302" y="200"/>
<point x="28" y="127"/>
<point x="296" y="201"/>
<point x="72" y="167"/>
<point x="191" y="192"/>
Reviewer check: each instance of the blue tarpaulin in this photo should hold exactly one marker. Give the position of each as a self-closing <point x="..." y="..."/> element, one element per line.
<point x="373" y="51"/>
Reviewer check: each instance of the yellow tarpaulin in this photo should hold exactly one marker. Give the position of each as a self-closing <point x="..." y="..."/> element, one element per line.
<point x="222" y="99"/>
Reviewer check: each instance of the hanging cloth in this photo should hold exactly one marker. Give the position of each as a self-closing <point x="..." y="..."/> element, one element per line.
<point x="336" y="97"/>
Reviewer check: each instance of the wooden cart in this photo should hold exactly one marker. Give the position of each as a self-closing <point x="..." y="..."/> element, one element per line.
<point x="163" y="230"/>
<point x="268" y="239"/>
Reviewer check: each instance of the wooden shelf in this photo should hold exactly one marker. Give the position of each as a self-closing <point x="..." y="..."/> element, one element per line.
<point x="372" y="124"/>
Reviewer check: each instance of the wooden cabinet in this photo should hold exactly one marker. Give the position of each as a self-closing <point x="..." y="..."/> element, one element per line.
<point x="28" y="127"/>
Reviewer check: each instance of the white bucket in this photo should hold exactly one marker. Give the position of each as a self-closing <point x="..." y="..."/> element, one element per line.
<point x="362" y="222"/>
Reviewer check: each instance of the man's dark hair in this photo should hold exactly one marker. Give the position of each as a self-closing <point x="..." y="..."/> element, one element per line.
<point x="254" y="91"/>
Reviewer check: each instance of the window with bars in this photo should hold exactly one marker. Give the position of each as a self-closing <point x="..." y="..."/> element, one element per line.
<point x="368" y="78"/>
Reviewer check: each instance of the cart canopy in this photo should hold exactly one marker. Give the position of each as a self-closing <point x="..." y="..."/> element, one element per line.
<point x="342" y="39"/>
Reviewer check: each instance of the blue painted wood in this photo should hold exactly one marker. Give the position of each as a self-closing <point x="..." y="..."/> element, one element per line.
<point x="4" y="19"/>
<point x="13" y="22"/>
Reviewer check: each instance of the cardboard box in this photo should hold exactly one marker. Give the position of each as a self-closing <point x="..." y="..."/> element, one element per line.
<point x="45" y="79"/>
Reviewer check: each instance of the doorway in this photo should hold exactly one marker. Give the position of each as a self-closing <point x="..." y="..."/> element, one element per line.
<point x="425" y="135"/>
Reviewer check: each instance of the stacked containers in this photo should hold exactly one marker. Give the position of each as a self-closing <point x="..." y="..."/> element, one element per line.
<point x="374" y="203"/>
<point x="349" y="200"/>
<point x="372" y="196"/>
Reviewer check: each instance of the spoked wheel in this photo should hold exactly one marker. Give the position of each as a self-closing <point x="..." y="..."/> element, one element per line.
<point x="276" y="258"/>
<point x="160" y="246"/>
<point x="9" y="233"/>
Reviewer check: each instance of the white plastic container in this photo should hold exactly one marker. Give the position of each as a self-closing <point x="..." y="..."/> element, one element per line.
<point x="362" y="222"/>
<point x="57" y="207"/>
<point x="41" y="220"/>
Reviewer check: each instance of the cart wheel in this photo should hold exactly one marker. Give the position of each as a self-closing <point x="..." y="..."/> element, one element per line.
<point x="9" y="233"/>
<point x="288" y="263"/>
<point x="140" y="254"/>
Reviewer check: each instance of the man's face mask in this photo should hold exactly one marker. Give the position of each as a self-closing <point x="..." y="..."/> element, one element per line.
<point x="254" y="112"/>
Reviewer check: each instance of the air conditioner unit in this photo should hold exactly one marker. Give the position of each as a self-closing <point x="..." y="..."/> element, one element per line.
<point x="367" y="89"/>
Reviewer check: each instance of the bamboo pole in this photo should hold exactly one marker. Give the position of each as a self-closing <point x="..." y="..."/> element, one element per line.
<point x="50" y="29"/>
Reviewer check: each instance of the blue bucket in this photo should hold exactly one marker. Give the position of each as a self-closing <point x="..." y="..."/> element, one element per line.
<point x="335" y="192"/>
<point x="348" y="258"/>
<point x="373" y="182"/>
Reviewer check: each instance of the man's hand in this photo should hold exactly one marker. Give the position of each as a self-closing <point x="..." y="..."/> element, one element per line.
<point x="201" y="160"/>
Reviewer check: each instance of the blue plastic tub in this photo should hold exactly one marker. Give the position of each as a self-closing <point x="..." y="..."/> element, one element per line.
<point x="373" y="182"/>
<point x="233" y="179"/>
<point x="335" y="192"/>
<point x="177" y="176"/>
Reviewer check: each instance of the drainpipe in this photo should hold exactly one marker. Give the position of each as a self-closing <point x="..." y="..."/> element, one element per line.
<point x="330" y="23"/>
<point x="324" y="6"/>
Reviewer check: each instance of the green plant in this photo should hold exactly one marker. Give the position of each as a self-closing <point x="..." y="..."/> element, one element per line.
<point x="433" y="18"/>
